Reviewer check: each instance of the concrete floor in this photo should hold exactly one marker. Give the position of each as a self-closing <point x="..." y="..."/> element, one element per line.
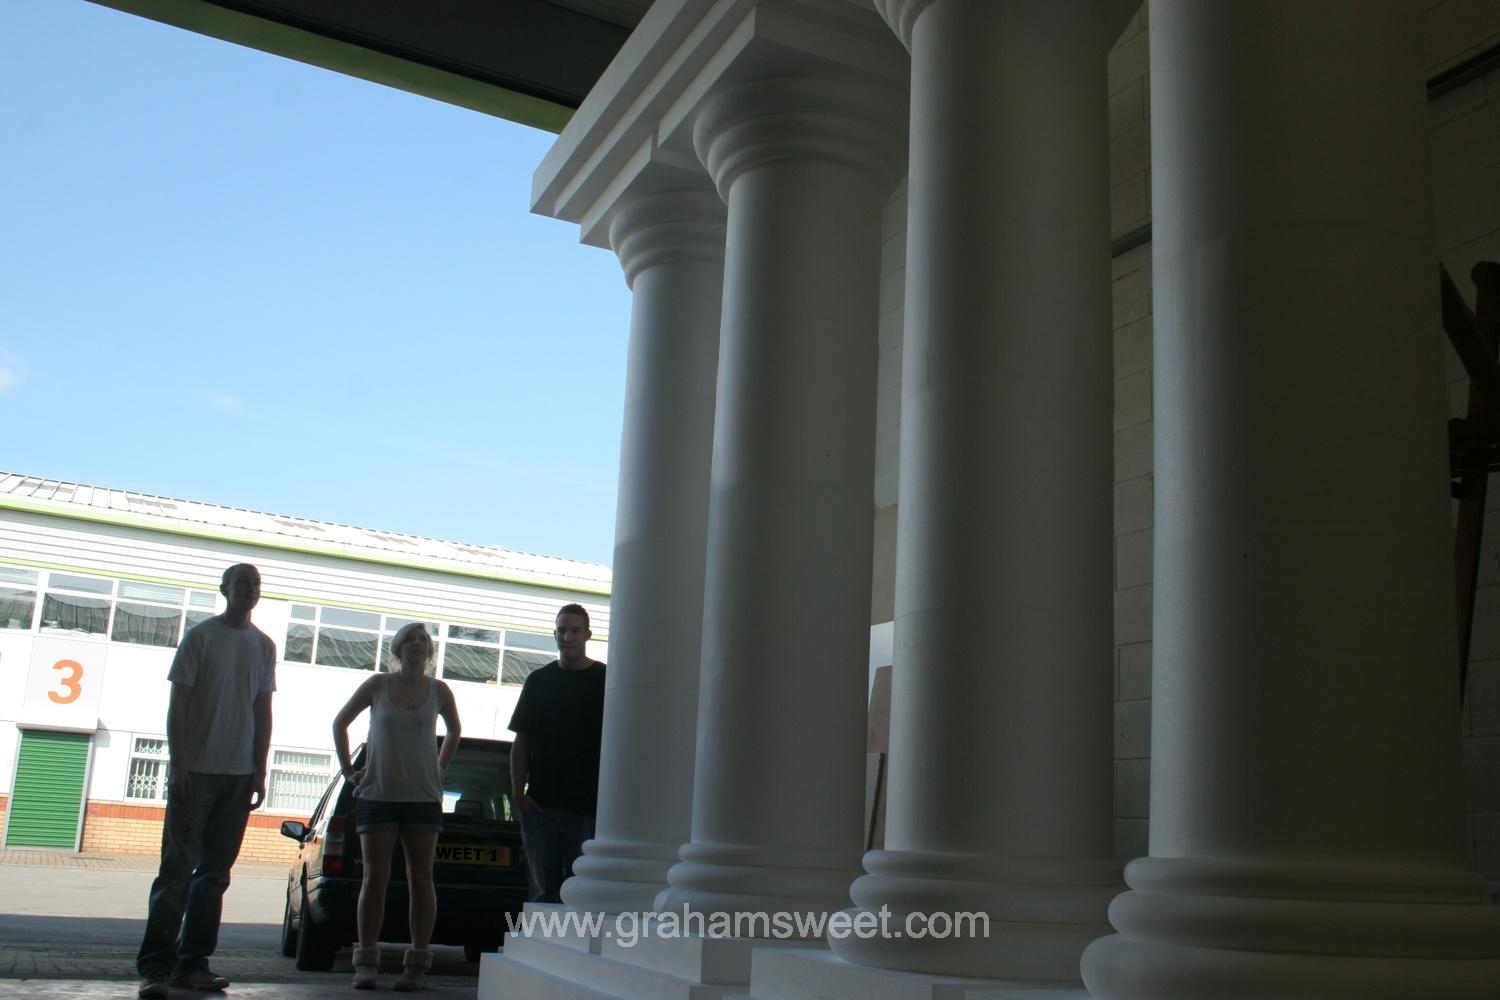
<point x="70" y="925"/>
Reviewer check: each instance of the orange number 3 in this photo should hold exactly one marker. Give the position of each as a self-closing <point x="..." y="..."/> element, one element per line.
<point x="71" y="688"/>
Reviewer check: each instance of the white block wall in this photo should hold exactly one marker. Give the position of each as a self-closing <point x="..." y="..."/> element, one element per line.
<point x="1466" y="172"/>
<point x="1465" y="141"/>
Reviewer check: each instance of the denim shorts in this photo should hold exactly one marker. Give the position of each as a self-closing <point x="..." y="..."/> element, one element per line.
<point x="417" y="817"/>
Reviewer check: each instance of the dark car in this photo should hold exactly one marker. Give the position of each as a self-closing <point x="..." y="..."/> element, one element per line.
<point x="479" y="872"/>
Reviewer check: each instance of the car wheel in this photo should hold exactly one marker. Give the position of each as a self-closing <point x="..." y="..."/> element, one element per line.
<point x="315" y="946"/>
<point x="288" y="931"/>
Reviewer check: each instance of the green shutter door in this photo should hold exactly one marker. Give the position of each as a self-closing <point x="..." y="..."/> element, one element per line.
<point x="48" y="792"/>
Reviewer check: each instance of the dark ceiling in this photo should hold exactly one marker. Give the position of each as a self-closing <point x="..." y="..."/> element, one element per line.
<point x="527" y="60"/>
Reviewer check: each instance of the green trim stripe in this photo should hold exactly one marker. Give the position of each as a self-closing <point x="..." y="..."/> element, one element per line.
<point x="212" y="533"/>
<point x="116" y="574"/>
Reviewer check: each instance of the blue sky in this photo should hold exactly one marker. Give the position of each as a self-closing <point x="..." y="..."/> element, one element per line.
<point x="230" y="277"/>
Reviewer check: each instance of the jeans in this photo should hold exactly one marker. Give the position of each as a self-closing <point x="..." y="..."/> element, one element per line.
<point x="199" y="842"/>
<point x="553" y="840"/>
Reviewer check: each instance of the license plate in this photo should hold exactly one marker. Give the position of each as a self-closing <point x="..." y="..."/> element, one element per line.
<point x="471" y="854"/>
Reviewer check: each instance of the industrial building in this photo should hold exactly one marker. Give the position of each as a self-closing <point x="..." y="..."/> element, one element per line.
<point x="97" y="586"/>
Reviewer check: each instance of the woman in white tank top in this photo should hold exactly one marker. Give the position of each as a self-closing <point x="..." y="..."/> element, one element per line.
<point x="399" y="795"/>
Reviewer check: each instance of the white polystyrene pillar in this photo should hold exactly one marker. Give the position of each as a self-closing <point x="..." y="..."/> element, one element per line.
<point x="805" y="165"/>
<point x="671" y="246"/>
<point x="1001" y="755"/>
<point x="1305" y="796"/>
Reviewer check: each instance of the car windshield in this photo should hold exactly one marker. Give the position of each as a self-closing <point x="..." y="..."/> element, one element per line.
<point x="477" y="784"/>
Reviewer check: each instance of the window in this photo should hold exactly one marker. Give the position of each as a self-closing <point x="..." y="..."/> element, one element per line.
<point x="69" y="605"/>
<point x="476" y="786"/>
<point x="147" y="780"/>
<point x="361" y="640"/>
<point x="341" y="647"/>
<point x="297" y="780"/>
<point x="488" y="656"/>
<point x="147" y="624"/>
<point x="342" y="637"/>
<point x="148" y="614"/>
<point x="17" y="596"/>
<point x="347" y="638"/>
<point x="152" y="614"/>
<point x="525" y="652"/>
<point x="201" y="605"/>
<point x="299" y="634"/>
<point x="472" y="654"/>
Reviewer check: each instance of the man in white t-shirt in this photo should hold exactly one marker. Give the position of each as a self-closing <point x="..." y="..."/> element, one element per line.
<point x="218" y="736"/>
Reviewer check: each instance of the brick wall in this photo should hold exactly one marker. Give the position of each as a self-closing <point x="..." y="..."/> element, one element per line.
<point x="121" y="828"/>
<point x="264" y="842"/>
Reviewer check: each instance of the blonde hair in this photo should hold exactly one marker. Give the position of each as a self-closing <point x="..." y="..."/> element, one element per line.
<point x="393" y="663"/>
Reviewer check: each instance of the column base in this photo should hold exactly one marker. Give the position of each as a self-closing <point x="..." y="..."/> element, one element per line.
<point x="1235" y="931"/>
<point x="631" y="960"/>
<point x="780" y="974"/>
<point x="740" y="879"/>
<point x="1038" y="914"/>
<point x="619" y="876"/>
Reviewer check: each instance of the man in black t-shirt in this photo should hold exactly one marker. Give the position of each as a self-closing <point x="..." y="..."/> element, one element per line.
<point x="554" y="761"/>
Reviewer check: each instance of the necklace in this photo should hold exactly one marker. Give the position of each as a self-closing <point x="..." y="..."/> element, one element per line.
<point x="411" y="698"/>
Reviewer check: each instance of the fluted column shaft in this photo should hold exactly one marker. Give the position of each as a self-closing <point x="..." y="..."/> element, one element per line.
<point x="1305" y="806"/>
<point x="1001" y="766"/>
<point x="671" y="246"/>
<point x="805" y="166"/>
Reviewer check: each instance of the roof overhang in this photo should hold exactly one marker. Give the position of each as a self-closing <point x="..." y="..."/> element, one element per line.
<point x="529" y="61"/>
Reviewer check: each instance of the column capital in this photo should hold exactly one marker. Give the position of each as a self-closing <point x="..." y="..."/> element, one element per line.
<point x="668" y="227"/>
<point x="902" y="15"/>
<point x="859" y="123"/>
<point x="640" y="116"/>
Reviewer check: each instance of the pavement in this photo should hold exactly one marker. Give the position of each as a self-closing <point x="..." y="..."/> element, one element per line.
<point x="70" y="925"/>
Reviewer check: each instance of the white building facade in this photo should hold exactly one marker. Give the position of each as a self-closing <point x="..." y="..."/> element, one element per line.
<point x="97" y="586"/>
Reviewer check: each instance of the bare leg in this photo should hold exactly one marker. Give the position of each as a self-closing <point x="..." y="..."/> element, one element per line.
<point x="377" y="847"/>
<point x="419" y="849"/>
